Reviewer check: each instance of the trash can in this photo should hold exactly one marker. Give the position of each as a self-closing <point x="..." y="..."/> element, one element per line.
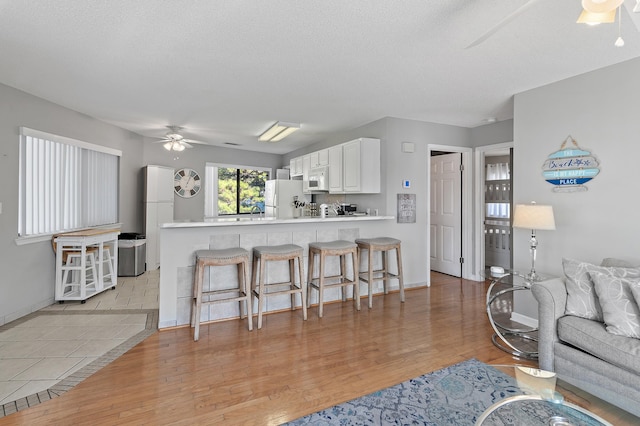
<point x="132" y="253"/>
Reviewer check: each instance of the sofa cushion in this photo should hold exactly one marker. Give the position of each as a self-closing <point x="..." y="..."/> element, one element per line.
<point x="619" y="308"/>
<point x="582" y="300"/>
<point x="620" y="263"/>
<point x="592" y="337"/>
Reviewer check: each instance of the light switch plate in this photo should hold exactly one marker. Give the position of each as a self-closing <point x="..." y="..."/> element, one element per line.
<point x="408" y="147"/>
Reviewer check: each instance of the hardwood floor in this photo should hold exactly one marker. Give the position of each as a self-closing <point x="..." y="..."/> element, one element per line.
<point x="289" y="368"/>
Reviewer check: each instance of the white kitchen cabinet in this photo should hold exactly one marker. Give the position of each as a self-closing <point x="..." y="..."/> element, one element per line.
<point x="319" y="158"/>
<point x="335" y="169"/>
<point x="360" y="171"/>
<point x="295" y="166"/>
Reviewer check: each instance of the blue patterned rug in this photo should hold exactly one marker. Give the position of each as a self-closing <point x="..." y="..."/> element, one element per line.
<point x="456" y="395"/>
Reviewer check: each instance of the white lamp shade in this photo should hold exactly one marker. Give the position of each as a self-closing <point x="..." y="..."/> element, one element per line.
<point x="534" y="216"/>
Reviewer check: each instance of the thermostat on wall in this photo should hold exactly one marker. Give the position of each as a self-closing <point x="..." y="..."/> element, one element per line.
<point x="406" y="183"/>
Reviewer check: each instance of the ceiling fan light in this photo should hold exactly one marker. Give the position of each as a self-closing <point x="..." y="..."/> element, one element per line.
<point x="591" y="18"/>
<point x="601" y="6"/>
<point x="177" y="146"/>
<point x="168" y="146"/>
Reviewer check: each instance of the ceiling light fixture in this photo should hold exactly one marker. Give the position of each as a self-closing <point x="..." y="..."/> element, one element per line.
<point x="278" y="131"/>
<point x="175" y="145"/>
<point x="599" y="11"/>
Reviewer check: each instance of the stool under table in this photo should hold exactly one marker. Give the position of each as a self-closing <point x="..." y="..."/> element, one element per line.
<point x="262" y="289"/>
<point x="222" y="257"/>
<point x="383" y="245"/>
<point x="322" y="250"/>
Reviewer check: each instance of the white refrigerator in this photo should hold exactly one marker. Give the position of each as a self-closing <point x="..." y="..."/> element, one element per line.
<point x="279" y="196"/>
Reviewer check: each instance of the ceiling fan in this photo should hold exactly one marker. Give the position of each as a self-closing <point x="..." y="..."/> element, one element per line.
<point x="598" y="11"/>
<point x="175" y="141"/>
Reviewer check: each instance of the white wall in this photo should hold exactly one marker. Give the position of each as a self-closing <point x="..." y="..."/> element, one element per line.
<point x="27" y="282"/>
<point x="601" y="110"/>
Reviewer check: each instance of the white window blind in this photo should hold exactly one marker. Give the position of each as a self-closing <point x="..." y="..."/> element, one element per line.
<point x="65" y="184"/>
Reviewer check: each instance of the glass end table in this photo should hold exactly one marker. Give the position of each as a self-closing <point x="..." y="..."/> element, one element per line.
<point x="538" y="404"/>
<point x="517" y="341"/>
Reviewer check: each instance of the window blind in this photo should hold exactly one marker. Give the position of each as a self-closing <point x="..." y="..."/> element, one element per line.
<point x="65" y="184"/>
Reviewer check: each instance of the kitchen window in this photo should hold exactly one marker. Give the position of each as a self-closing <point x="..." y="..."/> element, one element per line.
<point x="234" y="190"/>
<point x="65" y="184"/>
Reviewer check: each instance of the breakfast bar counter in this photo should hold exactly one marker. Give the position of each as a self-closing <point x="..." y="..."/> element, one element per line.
<point x="180" y="240"/>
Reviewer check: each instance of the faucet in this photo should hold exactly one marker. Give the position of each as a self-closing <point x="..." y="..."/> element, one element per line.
<point x="255" y="206"/>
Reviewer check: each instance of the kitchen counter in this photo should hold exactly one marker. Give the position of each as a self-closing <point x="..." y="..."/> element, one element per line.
<point x="180" y="240"/>
<point x="243" y="221"/>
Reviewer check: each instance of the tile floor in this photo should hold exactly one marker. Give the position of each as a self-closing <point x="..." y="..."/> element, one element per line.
<point x="49" y="351"/>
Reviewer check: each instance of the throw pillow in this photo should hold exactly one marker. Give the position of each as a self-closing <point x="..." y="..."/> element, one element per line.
<point x="635" y="290"/>
<point x="582" y="300"/>
<point x="619" y="308"/>
<point x="622" y="263"/>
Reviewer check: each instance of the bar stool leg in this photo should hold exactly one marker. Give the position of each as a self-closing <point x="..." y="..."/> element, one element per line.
<point x="261" y="295"/>
<point x="303" y="295"/>
<point x="244" y="286"/>
<point x="198" y="299"/>
<point x="310" y="267"/>
<point x="385" y="270"/>
<point x="356" y="279"/>
<point x="400" y="275"/>
<point x="321" y="285"/>
<point x="370" y="277"/>
<point x="343" y="276"/>
<point x="292" y="278"/>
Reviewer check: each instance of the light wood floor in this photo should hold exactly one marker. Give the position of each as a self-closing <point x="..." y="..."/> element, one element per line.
<point x="289" y="368"/>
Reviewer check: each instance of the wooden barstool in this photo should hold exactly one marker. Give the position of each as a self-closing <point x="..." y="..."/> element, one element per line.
<point x="383" y="245"/>
<point x="223" y="257"/>
<point x="262" y="289"/>
<point x="341" y="249"/>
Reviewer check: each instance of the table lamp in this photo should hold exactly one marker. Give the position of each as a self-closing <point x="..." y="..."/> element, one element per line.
<point x="535" y="217"/>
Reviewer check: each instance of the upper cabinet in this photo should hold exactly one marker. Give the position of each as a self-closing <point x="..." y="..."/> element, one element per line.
<point x="295" y="166"/>
<point x="335" y="169"/>
<point x="359" y="171"/>
<point x="354" y="166"/>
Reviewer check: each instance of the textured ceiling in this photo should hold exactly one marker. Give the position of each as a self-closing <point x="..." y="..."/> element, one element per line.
<point x="226" y="69"/>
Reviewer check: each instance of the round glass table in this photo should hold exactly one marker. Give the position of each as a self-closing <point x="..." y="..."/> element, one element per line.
<point x="537" y="404"/>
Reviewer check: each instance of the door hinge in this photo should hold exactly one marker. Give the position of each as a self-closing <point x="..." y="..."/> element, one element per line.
<point x="462" y="167"/>
<point x="461" y="260"/>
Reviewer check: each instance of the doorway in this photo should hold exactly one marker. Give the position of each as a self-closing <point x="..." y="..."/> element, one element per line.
<point x="486" y="155"/>
<point x="467" y="244"/>
<point x="446" y="213"/>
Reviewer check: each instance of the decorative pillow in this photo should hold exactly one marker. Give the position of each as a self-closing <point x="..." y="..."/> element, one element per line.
<point x="619" y="308"/>
<point x="620" y="263"/>
<point x="635" y="290"/>
<point x="582" y="300"/>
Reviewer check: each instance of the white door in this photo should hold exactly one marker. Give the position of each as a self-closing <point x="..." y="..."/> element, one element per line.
<point x="446" y="214"/>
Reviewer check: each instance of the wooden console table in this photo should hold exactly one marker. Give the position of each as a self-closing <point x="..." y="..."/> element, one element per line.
<point x="73" y="249"/>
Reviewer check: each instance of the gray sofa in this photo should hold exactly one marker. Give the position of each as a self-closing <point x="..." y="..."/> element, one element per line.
<point x="583" y="353"/>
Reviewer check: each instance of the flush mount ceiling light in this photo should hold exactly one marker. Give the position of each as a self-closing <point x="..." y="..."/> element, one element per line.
<point x="278" y="131"/>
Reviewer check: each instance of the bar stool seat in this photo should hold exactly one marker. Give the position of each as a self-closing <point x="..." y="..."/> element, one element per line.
<point x="221" y="257"/>
<point x="383" y="245"/>
<point x="261" y="289"/>
<point x="341" y="249"/>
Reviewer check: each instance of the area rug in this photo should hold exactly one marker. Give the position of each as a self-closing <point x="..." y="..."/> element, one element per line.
<point x="456" y="395"/>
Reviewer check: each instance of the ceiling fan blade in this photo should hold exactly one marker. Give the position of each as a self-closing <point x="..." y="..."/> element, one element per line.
<point x="513" y="15"/>
<point x="162" y="141"/>
<point x="194" y="141"/>
<point x="186" y="145"/>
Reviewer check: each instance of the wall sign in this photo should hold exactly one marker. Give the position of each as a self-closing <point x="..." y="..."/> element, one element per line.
<point x="406" y="208"/>
<point x="570" y="168"/>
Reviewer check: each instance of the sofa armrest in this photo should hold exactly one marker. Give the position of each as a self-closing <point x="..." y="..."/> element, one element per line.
<point x="552" y="299"/>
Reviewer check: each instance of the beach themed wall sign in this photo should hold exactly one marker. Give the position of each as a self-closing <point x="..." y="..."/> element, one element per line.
<point x="570" y="168"/>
